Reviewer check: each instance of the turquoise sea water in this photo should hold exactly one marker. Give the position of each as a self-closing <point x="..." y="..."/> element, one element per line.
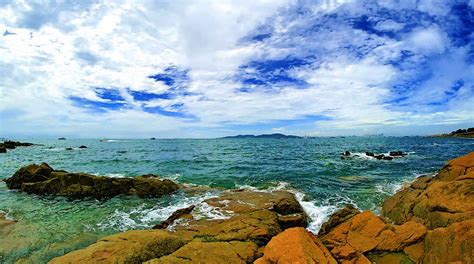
<point x="312" y="168"/>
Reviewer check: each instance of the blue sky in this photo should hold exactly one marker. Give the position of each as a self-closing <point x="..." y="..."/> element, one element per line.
<point x="214" y="68"/>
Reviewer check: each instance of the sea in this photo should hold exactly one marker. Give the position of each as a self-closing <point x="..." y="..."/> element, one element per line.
<point x="311" y="168"/>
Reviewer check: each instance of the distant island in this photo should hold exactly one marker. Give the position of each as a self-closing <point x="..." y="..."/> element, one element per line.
<point x="276" y="135"/>
<point x="462" y="133"/>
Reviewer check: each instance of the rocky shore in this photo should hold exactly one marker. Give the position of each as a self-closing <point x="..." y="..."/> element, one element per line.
<point x="429" y="221"/>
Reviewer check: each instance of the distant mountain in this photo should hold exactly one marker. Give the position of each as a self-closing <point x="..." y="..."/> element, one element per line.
<point x="276" y="135"/>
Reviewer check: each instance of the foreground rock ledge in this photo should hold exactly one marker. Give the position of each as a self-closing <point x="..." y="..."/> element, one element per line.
<point x="44" y="180"/>
<point x="253" y="219"/>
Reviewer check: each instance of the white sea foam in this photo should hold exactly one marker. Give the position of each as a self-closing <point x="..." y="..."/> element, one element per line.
<point x="204" y="210"/>
<point x="55" y="149"/>
<point x="111" y="175"/>
<point x="7" y="215"/>
<point x="317" y="214"/>
<point x="142" y="217"/>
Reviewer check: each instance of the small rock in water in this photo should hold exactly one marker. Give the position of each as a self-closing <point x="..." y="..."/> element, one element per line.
<point x="83" y="146"/>
<point x="379" y="157"/>
<point x="62" y="138"/>
<point x="3" y="149"/>
<point x="346" y="153"/>
<point x="68" y="148"/>
<point x="387" y="158"/>
<point x="369" y="154"/>
<point x="397" y="154"/>
<point x="183" y="212"/>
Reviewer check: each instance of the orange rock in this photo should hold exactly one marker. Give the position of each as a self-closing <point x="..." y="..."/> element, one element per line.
<point x="295" y="245"/>
<point x="365" y="233"/>
<point x="438" y="201"/>
<point x="451" y="244"/>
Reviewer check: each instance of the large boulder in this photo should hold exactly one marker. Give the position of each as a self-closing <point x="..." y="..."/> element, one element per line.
<point x="295" y="245"/>
<point x="365" y="234"/>
<point x="3" y="149"/>
<point x="29" y="174"/>
<point x="436" y="201"/>
<point x="42" y="180"/>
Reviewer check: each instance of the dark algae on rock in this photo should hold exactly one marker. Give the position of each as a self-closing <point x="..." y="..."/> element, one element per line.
<point x="44" y="180"/>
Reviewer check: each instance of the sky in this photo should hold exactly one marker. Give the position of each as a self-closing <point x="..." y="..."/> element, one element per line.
<point x="201" y="68"/>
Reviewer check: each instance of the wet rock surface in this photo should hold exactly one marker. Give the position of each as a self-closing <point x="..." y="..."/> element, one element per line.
<point x="44" y="180"/>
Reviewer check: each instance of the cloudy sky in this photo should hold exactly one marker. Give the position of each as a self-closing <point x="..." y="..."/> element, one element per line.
<point x="201" y="68"/>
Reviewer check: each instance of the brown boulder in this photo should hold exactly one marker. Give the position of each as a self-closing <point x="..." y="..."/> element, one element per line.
<point x="3" y="149"/>
<point x="295" y="245"/>
<point x="29" y="174"/>
<point x="43" y="180"/>
<point x="367" y="233"/>
<point x="337" y="218"/>
<point x="436" y="201"/>
<point x="258" y="227"/>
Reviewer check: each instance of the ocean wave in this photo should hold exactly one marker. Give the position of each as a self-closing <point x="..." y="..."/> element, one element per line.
<point x="55" y="149"/>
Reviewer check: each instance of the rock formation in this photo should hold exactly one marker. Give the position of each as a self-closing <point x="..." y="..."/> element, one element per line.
<point x="429" y="221"/>
<point x="42" y="179"/>
<point x="12" y="145"/>
<point x="253" y="218"/>
<point x="295" y="245"/>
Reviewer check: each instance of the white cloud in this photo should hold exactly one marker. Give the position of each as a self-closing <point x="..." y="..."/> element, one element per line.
<point x="428" y="40"/>
<point x="119" y="44"/>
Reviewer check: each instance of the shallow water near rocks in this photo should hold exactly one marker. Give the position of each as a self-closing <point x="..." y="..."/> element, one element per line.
<point x="311" y="168"/>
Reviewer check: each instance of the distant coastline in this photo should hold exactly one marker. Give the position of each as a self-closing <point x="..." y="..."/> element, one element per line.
<point x="276" y="135"/>
<point x="460" y="133"/>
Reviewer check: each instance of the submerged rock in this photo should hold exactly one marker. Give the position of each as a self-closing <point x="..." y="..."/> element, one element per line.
<point x="42" y="180"/>
<point x="295" y="245"/>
